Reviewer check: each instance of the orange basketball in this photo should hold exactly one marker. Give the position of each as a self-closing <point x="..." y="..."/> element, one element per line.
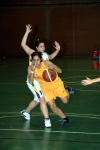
<point x="49" y="75"/>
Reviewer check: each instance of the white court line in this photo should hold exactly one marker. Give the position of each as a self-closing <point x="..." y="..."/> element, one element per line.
<point x="64" y="82"/>
<point x="84" y="116"/>
<point x="71" y="83"/>
<point x="73" y="115"/>
<point x="14" y="83"/>
<point x="9" y="116"/>
<point x="78" y="83"/>
<point x="17" y="116"/>
<point x="80" y="76"/>
<point x="78" y="70"/>
<point x="68" y="132"/>
<point x="87" y="90"/>
<point x="38" y="113"/>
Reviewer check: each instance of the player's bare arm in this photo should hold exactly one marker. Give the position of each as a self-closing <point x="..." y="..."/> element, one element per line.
<point x="26" y="48"/>
<point x="50" y="65"/>
<point x="31" y="69"/>
<point x="88" y="81"/>
<point x="57" y="47"/>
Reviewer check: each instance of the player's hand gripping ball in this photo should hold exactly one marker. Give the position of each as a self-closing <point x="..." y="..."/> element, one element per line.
<point x="49" y="75"/>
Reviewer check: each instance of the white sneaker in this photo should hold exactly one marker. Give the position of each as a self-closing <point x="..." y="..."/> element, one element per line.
<point x="47" y="123"/>
<point x="25" y="114"/>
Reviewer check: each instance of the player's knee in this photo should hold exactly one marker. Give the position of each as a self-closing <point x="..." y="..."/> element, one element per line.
<point x="42" y="100"/>
<point x="66" y="100"/>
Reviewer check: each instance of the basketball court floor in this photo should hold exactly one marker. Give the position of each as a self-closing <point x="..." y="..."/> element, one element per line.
<point x="83" y="109"/>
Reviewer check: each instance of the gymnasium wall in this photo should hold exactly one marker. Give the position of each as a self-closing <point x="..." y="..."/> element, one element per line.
<point x="73" y="23"/>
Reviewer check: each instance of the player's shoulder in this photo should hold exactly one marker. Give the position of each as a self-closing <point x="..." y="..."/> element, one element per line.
<point x="45" y="53"/>
<point x="45" y="56"/>
<point x="47" y="62"/>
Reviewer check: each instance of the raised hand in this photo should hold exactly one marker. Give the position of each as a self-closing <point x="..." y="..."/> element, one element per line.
<point x="33" y="66"/>
<point x="28" y="28"/>
<point x="56" y="46"/>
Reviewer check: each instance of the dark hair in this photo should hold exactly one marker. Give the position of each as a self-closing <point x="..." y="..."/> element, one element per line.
<point x="38" y="41"/>
<point x="39" y="54"/>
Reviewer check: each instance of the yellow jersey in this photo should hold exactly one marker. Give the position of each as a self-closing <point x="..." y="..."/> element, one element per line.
<point x="44" y="84"/>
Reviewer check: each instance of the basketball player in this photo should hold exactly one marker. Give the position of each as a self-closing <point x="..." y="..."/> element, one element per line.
<point x="88" y="81"/>
<point x="51" y="90"/>
<point x="40" y="46"/>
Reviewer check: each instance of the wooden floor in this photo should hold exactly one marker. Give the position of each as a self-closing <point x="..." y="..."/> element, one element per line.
<point x="83" y="109"/>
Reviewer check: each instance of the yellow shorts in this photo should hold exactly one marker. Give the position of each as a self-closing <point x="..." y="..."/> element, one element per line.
<point x="59" y="91"/>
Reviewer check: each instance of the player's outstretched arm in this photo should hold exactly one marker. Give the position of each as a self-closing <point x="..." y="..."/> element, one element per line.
<point x="30" y="70"/>
<point x="57" y="47"/>
<point x="88" y="81"/>
<point x="50" y="65"/>
<point x="26" y="48"/>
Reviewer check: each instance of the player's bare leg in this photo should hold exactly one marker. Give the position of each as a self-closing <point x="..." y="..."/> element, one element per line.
<point x="64" y="120"/>
<point x="26" y="112"/>
<point x="31" y="105"/>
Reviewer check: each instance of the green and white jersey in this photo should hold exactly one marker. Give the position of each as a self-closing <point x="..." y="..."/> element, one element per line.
<point x="45" y="56"/>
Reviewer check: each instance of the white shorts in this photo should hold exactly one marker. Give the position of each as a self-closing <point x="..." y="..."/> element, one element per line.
<point x="35" y="89"/>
